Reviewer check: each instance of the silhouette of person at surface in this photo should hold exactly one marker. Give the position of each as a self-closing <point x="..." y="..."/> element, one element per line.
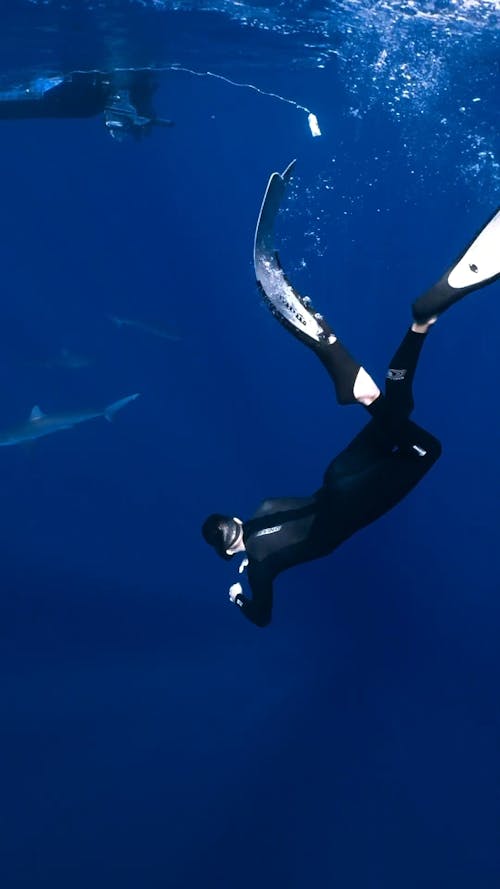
<point x="124" y="98"/>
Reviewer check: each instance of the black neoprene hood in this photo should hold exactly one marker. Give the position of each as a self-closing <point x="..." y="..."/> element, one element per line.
<point x="221" y="532"/>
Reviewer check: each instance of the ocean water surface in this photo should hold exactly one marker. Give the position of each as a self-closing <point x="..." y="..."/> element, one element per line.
<point x="150" y="736"/>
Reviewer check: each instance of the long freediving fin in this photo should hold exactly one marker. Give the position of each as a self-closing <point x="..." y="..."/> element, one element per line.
<point x="264" y="232"/>
<point x="293" y="310"/>
<point x="477" y="266"/>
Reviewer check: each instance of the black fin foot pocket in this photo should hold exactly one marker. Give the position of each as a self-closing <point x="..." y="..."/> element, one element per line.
<point x="476" y="267"/>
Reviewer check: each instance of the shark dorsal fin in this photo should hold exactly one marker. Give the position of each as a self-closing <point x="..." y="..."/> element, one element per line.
<point x="36" y="414"/>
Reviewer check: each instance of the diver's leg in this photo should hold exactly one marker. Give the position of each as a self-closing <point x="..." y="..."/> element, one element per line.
<point x="397" y="405"/>
<point x="371" y="475"/>
<point x="353" y="384"/>
<point x="297" y="315"/>
<point x="402" y="367"/>
<point x="370" y="459"/>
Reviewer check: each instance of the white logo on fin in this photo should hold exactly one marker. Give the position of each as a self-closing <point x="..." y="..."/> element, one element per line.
<point x="36" y="414"/>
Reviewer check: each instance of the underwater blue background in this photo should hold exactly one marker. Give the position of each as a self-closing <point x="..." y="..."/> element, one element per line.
<point x="150" y="735"/>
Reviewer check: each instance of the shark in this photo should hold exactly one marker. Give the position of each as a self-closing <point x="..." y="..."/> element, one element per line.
<point x="40" y="424"/>
<point x="65" y="360"/>
<point x="146" y="327"/>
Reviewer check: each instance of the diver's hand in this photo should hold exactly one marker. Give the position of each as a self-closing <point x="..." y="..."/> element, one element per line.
<point x="235" y="589"/>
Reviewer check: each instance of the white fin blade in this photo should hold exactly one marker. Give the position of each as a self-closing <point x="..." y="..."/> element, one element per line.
<point x="482" y="259"/>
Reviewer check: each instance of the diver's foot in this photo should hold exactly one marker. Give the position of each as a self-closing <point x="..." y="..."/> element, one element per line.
<point x="365" y="389"/>
<point x="423" y="327"/>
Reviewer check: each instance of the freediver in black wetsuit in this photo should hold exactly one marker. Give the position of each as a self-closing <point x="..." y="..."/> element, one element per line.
<point x="384" y="461"/>
<point x="123" y="97"/>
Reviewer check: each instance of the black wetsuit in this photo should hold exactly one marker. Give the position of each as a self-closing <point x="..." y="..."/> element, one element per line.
<point x="371" y="475"/>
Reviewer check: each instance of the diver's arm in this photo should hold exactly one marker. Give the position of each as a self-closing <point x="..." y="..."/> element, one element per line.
<point x="258" y="608"/>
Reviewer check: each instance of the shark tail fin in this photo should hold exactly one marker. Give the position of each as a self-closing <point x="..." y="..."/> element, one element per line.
<point x="162" y="122"/>
<point x="116" y="406"/>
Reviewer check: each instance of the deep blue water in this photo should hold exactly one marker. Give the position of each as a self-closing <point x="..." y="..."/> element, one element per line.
<point x="150" y="736"/>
